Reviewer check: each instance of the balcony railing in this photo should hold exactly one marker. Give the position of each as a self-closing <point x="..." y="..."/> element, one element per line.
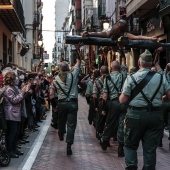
<point x="11" y="11"/>
<point x="134" y="27"/>
<point x="73" y="2"/>
<point x="102" y="10"/>
<point x="73" y="20"/>
<point x="36" y="21"/>
<point x="19" y="9"/>
<point x="164" y="4"/>
<point x="164" y="7"/>
<point x="95" y="21"/>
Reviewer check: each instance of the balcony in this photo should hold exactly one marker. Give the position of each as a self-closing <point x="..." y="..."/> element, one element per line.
<point x="73" y="2"/>
<point x="102" y="10"/>
<point x="94" y="19"/>
<point x="39" y="3"/>
<point x="11" y="12"/>
<point x="73" y="20"/>
<point x="134" y="29"/>
<point x="164" y="7"/>
<point x="140" y="8"/>
<point x="36" y="21"/>
<point x="78" y="5"/>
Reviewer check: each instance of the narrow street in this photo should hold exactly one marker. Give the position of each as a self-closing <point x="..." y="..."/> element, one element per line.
<point x="87" y="153"/>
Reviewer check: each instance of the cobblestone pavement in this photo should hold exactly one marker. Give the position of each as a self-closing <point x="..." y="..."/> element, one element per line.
<point x="87" y="153"/>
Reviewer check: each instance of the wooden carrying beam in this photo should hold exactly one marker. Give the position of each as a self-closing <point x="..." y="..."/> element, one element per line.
<point x="141" y="44"/>
<point x="6" y="7"/>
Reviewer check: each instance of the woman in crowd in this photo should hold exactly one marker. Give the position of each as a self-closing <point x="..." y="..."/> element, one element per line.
<point x="12" y="110"/>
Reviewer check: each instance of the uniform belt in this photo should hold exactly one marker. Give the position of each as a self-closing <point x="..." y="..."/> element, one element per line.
<point x="145" y="108"/>
<point x="68" y="100"/>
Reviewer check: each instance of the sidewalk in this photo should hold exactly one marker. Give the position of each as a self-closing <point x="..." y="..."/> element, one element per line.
<point x="87" y="153"/>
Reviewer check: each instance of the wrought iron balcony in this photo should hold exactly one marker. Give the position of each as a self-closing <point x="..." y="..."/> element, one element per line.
<point x="102" y="10"/>
<point x="73" y="20"/>
<point x="73" y="2"/>
<point x="134" y="26"/>
<point x="164" y="7"/>
<point x="12" y="14"/>
<point x="36" y="21"/>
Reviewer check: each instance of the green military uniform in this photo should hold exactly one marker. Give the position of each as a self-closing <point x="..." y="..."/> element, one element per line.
<point x="144" y="121"/>
<point x="120" y="132"/>
<point x="114" y="105"/>
<point x="166" y="107"/>
<point x="89" y="97"/>
<point x="68" y="105"/>
<point x="101" y="119"/>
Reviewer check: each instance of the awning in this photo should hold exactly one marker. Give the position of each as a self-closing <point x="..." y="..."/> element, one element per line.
<point x="12" y="15"/>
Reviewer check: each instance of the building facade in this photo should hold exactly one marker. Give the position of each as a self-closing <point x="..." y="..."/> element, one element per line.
<point x="20" y="30"/>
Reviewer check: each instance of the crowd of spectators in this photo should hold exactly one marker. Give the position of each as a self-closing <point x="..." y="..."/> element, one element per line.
<point x="25" y="102"/>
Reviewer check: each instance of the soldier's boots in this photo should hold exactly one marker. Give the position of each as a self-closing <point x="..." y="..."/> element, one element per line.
<point x="61" y="135"/>
<point x="104" y="144"/>
<point x="69" y="151"/>
<point x="131" y="168"/>
<point x="121" y="151"/>
<point x="160" y="143"/>
<point x="98" y="135"/>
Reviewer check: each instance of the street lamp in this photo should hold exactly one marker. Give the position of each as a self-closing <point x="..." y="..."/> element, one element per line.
<point x="106" y="25"/>
<point x="40" y="44"/>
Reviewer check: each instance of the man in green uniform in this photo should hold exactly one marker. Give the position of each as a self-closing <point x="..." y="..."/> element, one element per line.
<point x="67" y="91"/>
<point x="111" y="90"/>
<point x="143" y="92"/>
<point x="97" y="96"/>
<point x="89" y="97"/>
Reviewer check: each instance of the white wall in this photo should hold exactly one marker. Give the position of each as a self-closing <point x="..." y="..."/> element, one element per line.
<point x="29" y="10"/>
<point x="61" y="11"/>
<point x="110" y="8"/>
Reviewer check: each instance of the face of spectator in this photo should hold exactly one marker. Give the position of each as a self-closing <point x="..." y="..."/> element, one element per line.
<point x="43" y="72"/>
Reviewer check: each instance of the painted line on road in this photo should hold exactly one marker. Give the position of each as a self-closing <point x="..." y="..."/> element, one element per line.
<point x="32" y="154"/>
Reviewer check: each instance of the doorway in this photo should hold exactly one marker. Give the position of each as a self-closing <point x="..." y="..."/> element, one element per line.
<point x="4" y="49"/>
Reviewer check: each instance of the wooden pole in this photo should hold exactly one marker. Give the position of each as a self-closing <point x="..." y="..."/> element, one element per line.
<point x="125" y="42"/>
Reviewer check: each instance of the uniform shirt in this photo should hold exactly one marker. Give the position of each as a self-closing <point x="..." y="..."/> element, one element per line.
<point x="98" y="87"/>
<point x="148" y="90"/>
<point x="109" y="88"/>
<point x="118" y="78"/>
<point x="66" y="87"/>
<point x="89" y="89"/>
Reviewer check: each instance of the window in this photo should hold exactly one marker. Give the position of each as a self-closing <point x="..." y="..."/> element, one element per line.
<point x="59" y="39"/>
<point x="4" y="49"/>
<point x="59" y="48"/>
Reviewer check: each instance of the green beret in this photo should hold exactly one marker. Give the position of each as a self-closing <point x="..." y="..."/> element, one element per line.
<point x="146" y="56"/>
